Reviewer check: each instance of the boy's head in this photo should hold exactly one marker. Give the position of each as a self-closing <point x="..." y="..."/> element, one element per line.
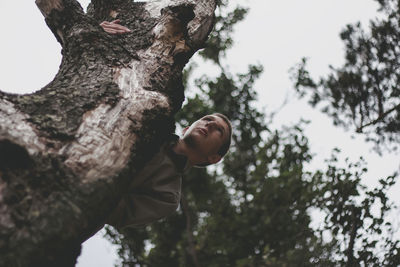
<point x="209" y="138"/>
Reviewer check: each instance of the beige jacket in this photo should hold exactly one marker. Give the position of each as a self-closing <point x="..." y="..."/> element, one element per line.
<point x="154" y="193"/>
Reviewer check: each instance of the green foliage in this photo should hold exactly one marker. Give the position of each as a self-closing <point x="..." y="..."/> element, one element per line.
<point x="246" y="209"/>
<point x="220" y="38"/>
<point x="356" y="218"/>
<point x="363" y="94"/>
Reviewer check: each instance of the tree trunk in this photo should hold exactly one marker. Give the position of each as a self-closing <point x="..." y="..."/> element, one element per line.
<point x="68" y="151"/>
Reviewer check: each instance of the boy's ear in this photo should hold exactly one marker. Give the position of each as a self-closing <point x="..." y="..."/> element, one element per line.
<point x="214" y="158"/>
<point x="184" y="130"/>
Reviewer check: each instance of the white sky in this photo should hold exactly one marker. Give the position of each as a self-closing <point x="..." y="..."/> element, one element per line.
<point x="276" y="34"/>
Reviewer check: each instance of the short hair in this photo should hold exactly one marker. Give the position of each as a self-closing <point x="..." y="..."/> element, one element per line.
<point x="225" y="146"/>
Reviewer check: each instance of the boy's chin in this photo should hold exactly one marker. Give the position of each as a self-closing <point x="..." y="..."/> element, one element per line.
<point x="195" y="141"/>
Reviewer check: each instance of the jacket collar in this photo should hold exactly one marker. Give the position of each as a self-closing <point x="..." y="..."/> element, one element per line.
<point x="181" y="162"/>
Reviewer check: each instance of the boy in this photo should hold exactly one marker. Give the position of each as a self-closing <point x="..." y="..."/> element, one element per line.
<point x="155" y="192"/>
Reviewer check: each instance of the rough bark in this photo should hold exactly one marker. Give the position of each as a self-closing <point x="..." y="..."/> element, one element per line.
<point x="68" y="151"/>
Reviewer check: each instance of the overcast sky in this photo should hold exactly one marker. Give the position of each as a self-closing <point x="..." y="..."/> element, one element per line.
<point x="276" y="34"/>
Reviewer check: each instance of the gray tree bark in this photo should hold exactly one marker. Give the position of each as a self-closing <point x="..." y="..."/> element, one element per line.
<point x="69" y="150"/>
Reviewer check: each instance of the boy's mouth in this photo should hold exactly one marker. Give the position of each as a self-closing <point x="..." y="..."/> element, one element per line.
<point x="203" y="131"/>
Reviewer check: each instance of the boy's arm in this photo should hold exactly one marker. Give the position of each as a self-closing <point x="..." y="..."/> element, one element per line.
<point x="138" y="210"/>
<point x="114" y="27"/>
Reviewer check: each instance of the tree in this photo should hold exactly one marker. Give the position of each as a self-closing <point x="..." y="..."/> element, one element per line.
<point x="363" y="94"/>
<point x="68" y="150"/>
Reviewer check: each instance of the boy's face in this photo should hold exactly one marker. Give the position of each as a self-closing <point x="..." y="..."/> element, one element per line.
<point x="206" y="136"/>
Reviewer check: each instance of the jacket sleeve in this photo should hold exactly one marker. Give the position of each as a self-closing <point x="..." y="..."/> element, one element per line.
<point x="156" y="196"/>
<point x="138" y="210"/>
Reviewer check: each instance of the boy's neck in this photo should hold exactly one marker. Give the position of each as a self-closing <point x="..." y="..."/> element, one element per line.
<point x="183" y="149"/>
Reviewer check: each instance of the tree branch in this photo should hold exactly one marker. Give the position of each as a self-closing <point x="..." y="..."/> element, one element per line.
<point x="189" y="231"/>
<point x="353" y="232"/>
<point x="47" y="6"/>
<point x="60" y="16"/>
<point x="199" y="27"/>
<point x="83" y="137"/>
<point x="102" y="10"/>
<point x="380" y="118"/>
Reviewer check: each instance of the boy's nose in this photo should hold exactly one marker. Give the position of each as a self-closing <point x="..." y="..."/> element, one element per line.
<point x="210" y="125"/>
